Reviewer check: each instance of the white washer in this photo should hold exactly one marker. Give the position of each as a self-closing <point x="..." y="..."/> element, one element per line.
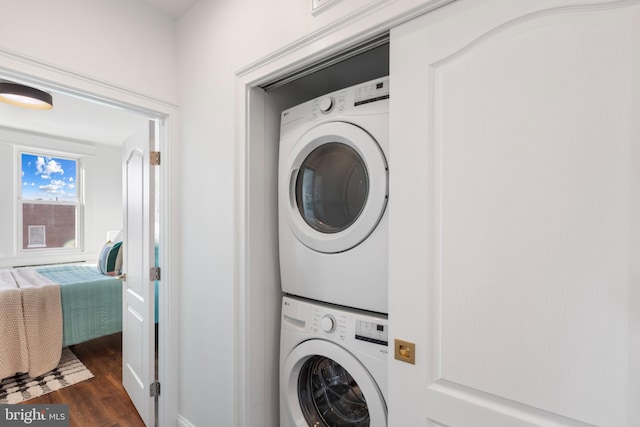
<point x="333" y="366"/>
<point x="333" y="182"/>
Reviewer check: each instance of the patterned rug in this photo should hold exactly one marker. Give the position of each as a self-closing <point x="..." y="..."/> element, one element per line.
<point x="21" y="387"/>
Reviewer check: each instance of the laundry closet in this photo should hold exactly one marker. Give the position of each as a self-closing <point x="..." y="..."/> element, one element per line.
<point x="513" y="216"/>
<point x="362" y="63"/>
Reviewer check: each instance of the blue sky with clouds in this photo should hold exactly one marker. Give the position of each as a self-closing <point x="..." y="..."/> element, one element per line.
<point x="48" y="178"/>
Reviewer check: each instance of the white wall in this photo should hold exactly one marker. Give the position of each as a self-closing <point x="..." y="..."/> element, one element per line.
<point x="215" y="40"/>
<point x="121" y="42"/>
<point x="103" y="190"/>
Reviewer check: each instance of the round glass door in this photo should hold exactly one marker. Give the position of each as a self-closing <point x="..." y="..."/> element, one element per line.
<point x="324" y="385"/>
<point x="332" y="187"/>
<point x="329" y="396"/>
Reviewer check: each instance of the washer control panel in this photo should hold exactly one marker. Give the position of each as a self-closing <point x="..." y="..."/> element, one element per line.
<point x="328" y="323"/>
<point x="323" y="322"/>
<point x="374" y="332"/>
<point x="326" y="104"/>
<point x="362" y="330"/>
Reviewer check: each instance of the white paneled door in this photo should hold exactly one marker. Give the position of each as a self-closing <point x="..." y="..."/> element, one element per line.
<point x="138" y="336"/>
<point x="514" y="211"/>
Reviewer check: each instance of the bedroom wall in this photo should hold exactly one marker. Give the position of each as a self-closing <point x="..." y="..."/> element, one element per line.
<point x="103" y="194"/>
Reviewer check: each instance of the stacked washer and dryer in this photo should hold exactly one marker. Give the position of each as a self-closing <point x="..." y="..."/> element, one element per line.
<point x="333" y="235"/>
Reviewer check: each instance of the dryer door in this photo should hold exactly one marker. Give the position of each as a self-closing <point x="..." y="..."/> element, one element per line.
<point x="337" y="186"/>
<point x="325" y="386"/>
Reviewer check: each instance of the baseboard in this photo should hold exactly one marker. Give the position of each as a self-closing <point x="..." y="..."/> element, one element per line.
<point x="183" y="422"/>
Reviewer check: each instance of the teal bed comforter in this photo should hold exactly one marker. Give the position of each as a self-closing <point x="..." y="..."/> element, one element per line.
<point x="91" y="302"/>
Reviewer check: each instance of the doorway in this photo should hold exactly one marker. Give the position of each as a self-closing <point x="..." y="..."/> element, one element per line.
<point x="120" y="107"/>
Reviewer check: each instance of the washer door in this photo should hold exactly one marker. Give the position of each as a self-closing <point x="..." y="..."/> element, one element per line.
<point x="337" y="187"/>
<point x="325" y="386"/>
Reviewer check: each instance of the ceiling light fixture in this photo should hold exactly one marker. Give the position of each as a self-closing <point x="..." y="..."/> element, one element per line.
<point x="25" y="96"/>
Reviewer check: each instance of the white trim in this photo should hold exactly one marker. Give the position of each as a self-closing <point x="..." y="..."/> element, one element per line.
<point x="9" y="56"/>
<point x="169" y="298"/>
<point x="311" y="38"/>
<point x="353" y="29"/>
<point x="24" y="69"/>
<point x="183" y="422"/>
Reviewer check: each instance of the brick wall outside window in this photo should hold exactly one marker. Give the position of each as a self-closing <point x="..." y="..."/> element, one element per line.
<point x="59" y="222"/>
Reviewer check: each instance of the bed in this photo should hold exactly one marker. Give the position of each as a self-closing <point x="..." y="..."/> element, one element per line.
<point x="91" y="301"/>
<point x="36" y="317"/>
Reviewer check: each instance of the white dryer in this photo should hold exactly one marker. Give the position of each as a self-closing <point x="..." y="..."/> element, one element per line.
<point x="332" y="195"/>
<point x="333" y="366"/>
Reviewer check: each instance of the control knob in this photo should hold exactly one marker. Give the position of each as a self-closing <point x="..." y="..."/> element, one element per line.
<point x="328" y="323"/>
<point x="326" y="105"/>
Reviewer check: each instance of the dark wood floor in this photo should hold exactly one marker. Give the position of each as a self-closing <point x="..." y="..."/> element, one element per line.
<point x="100" y="401"/>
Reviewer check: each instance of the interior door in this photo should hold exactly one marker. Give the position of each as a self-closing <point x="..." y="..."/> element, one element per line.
<point x="515" y="219"/>
<point x="138" y="336"/>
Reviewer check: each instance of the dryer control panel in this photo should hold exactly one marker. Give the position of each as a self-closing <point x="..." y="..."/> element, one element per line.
<point x="339" y="101"/>
<point x="352" y="100"/>
<point x="371" y="92"/>
<point x="327" y="104"/>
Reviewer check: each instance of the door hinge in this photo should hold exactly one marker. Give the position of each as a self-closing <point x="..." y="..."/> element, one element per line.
<point x="154" y="274"/>
<point x="154" y="389"/>
<point x="154" y="158"/>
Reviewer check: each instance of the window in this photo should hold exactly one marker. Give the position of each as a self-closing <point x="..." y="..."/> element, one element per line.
<point x="48" y="203"/>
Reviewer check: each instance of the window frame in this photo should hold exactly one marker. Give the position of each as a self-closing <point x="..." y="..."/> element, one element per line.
<point x="20" y="248"/>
